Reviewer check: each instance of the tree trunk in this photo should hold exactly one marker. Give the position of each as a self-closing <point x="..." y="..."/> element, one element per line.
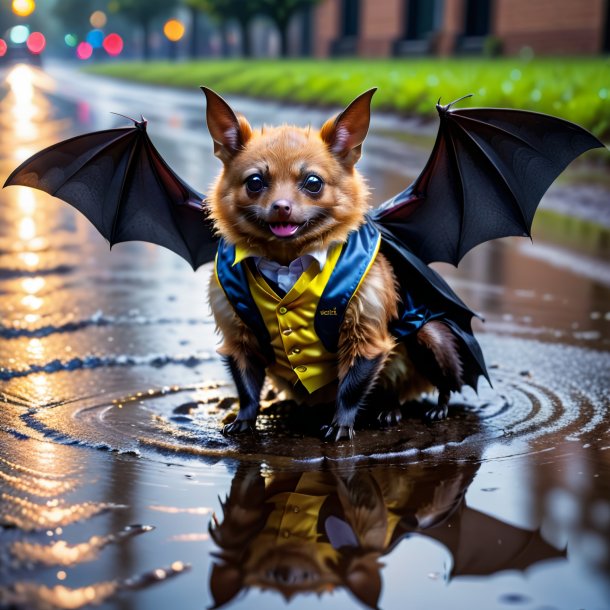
<point x="246" y="37"/>
<point x="145" y="39"/>
<point x="283" y="31"/>
<point x="173" y="50"/>
<point x="194" y="50"/>
<point x="224" y="39"/>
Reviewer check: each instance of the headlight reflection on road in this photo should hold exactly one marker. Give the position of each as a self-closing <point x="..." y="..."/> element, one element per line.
<point x="27" y="228"/>
<point x="30" y="259"/>
<point x="27" y="202"/>
<point x="24" y="110"/>
<point x="31" y="286"/>
<point x="27" y="110"/>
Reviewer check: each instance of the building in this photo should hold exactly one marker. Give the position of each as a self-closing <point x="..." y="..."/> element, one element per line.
<point x="383" y="28"/>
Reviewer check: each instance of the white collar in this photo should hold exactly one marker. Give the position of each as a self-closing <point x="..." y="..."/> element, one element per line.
<point x="318" y="255"/>
<point x="242" y="253"/>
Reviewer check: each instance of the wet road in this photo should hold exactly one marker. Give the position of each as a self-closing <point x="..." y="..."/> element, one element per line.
<point x="111" y="463"/>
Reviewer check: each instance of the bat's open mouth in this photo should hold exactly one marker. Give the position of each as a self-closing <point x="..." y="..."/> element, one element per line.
<point x="284" y="229"/>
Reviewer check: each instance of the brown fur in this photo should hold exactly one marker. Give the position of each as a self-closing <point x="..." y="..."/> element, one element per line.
<point x="284" y="153"/>
<point x="238" y="340"/>
<point x="364" y="331"/>
<point x="440" y="341"/>
<point x="400" y="376"/>
<point x="284" y="156"/>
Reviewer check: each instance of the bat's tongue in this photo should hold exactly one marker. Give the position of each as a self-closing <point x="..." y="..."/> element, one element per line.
<point x="283" y="229"/>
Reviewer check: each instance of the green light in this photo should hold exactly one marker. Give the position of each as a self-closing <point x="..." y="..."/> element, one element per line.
<point x="71" y="40"/>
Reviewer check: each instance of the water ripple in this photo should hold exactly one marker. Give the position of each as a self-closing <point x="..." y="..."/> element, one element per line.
<point x="34" y="596"/>
<point x="530" y="401"/>
<point x="60" y="553"/>
<point x="96" y="362"/>
<point x="10" y="273"/>
<point x="98" y="319"/>
<point x="29" y="516"/>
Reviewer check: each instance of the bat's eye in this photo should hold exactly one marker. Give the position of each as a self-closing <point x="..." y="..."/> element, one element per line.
<point x="313" y="184"/>
<point x="255" y="183"/>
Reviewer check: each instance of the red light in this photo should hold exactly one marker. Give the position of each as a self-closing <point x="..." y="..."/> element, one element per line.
<point x="3" y="47"/>
<point x="84" y="50"/>
<point x="36" y="42"/>
<point x="113" y="44"/>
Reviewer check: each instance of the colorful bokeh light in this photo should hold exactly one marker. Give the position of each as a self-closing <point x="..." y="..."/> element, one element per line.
<point x="98" y="19"/>
<point x="23" y="8"/>
<point x="71" y="40"/>
<point x="19" y="34"/>
<point x="113" y="44"/>
<point x="36" y="43"/>
<point x="95" y="38"/>
<point x="84" y="50"/>
<point x="3" y="47"/>
<point x="173" y="30"/>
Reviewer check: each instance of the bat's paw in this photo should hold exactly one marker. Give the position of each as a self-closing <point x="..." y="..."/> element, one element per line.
<point x="437" y="413"/>
<point x="334" y="432"/>
<point x="240" y="426"/>
<point x="389" y="418"/>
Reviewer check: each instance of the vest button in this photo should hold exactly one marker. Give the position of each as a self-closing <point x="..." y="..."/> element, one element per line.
<point x="283" y="310"/>
<point x="296" y="350"/>
<point x="301" y="369"/>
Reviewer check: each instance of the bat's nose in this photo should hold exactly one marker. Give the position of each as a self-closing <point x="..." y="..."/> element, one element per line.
<point x="282" y="208"/>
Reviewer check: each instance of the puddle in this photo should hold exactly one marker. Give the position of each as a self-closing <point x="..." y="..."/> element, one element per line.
<point x="531" y="401"/>
<point x="118" y="489"/>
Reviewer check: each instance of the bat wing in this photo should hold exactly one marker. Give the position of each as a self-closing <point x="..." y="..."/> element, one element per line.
<point x="482" y="545"/>
<point x="488" y="170"/>
<point x="120" y="182"/>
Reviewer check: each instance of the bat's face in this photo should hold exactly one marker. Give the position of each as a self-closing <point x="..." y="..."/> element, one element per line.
<point x="287" y="190"/>
<point x="296" y="568"/>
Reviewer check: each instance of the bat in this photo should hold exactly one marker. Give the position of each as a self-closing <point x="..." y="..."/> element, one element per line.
<point x="484" y="179"/>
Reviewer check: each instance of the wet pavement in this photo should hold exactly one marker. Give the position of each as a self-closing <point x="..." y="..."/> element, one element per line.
<point x="117" y="488"/>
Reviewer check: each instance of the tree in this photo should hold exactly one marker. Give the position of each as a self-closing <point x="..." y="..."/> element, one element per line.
<point x="242" y="11"/>
<point x="143" y="13"/>
<point x="195" y="8"/>
<point x="281" y="13"/>
<point x="74" y="15"/>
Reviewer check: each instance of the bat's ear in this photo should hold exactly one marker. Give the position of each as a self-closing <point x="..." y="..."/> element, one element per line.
<point x="363" y="578"/>
<point x="229" y="131"/>
<point x="226" y="582"/>
<point x="345" y="133"/>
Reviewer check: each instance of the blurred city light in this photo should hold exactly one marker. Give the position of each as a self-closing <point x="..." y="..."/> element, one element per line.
<point x="98" y="19"/>
<point x="95" y="38"/>
<point x="173" y="30"/>
<point x="113" y="44"/>
<point x="36" y="42"/>
<point x="71" y="40"/>
<point x="23" y="8"/>
<point x="19" y="34"/>
<point x="3" y="47"/>
<point x="84" y="50"/>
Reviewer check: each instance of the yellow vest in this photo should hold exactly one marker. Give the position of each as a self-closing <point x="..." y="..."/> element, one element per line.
<point x="299" y="353"/>
<point x="296" y="353"/>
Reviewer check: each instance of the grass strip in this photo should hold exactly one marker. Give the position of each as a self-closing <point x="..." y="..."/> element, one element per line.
<point x="577" y="89"/>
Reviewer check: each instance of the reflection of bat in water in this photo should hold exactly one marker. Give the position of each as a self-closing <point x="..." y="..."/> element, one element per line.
<point x="312" y="289"/>
<point x="313" y="532"/>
